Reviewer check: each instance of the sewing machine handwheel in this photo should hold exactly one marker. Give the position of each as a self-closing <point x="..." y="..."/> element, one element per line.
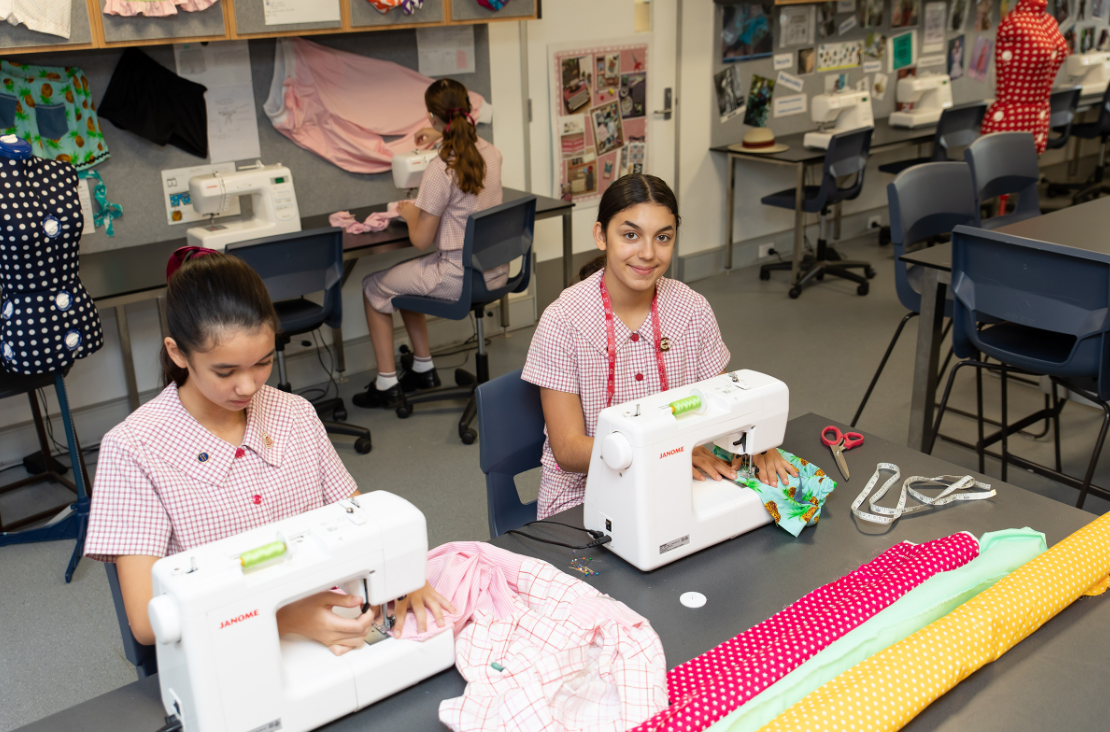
<point x="863" y="289"/>
<point x="870" y="272"/>
<point x="404" y="411"/>
<point x="363" y="445"/>
<point x="468" y="436"/>
<point x="794" y="292"/>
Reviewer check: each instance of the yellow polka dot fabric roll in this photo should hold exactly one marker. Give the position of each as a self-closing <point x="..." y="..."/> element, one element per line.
<point x="892" y="687"/>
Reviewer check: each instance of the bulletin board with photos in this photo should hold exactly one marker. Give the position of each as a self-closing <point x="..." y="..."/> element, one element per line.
<point x="599" y="115"/>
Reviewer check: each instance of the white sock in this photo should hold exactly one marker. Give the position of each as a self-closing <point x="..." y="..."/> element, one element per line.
<point x="422" y="365"/>
<point x="385" y="381"/>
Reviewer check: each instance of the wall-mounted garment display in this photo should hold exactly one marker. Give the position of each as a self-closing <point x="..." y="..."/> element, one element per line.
<point x="154" y="8"/>
<point x="339" y="105"/>
<point x="407" y="6"/>
<point x="493" y="4"/>
<point x="148" y="99"/>
<point x="51" y="108"/>
<point x="41" y="16"/>
<point x="47" y="320"/>
<point x="1027" y="55"/>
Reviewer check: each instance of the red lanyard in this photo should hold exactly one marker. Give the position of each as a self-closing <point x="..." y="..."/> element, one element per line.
<point x="612" y="342"/>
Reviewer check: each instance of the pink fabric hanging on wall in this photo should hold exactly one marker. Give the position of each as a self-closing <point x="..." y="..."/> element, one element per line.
<point x="705" y="689"/>
<point x="339" y="105"/>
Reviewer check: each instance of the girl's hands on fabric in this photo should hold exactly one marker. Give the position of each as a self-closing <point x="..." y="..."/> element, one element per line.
<point x="427" y="136"/>
<point x="705" y="463"/>
<point x="420" y="601"/>
<point x="771" y="467"/>
<point x="408" y="211"/>
<point x="313" y="618"/>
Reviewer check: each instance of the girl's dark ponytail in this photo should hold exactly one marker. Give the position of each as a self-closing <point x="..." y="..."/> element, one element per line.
<point x="626" y="192"/>
<point x="206" y="296"/>
<point x="449" y="101"/>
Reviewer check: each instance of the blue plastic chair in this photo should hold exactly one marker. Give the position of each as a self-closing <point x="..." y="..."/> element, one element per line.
<point x="1097" y="130"/>
<point x="293" y="266"/>
<point x="1050" y="303"/>
<point x="957" y="127"/>
<point x="1005" y="163"/>
<point x="1062" y="105"/>
<point x="142" y="656"/>
<point x="494" y="237"/>
<point x="925" y="201"/>
<point x="510" y="418"/>
<point x="846" y="155"/>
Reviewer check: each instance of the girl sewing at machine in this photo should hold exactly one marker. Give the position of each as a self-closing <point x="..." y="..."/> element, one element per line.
<point x="219" y="452"/>
<point x="464" y="179"/>
<point x="624" y="332"/>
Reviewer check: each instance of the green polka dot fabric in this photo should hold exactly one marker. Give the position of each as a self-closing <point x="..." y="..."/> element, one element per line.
<point x="53" y="109"/>
<point x="797" y="504"/>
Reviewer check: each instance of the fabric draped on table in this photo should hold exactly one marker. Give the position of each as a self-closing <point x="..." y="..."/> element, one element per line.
<point x="921" y="668"/>
<point x="377" y="221"/>
<point x="1000" y="553"/>
<point x="567" y="657"/>
<point x="706" y="688"/>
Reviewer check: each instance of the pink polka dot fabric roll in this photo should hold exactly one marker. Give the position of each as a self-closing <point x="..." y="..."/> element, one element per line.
<point x="706" y="688"/>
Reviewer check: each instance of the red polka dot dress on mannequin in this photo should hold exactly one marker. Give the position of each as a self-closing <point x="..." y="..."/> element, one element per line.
<point x="1028" y="53"/>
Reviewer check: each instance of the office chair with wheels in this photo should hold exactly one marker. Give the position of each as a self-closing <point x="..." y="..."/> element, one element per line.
<point x="1048" y="305"/>
<point x="494" y="237"/>
<point x="926" y="200"/>
<point x="958" y="127"/>
<point x="144" y="657"/>
<point x="846" y="155"/>
<point x="510" y="418"/>
<point x="74" y="524"/>
<point x="293" y="266"/>
<point x="1002" y="164"/>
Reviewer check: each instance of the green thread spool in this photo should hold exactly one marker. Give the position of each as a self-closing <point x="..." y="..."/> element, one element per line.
<point x="262" y="554"/>
<point x="683" y="406"/>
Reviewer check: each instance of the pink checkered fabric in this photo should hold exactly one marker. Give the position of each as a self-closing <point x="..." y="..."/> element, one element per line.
<point x="440" y="275"/>
<point x="705" y="689"/>
<point x="569" y="353"/>
<point x="572" y="658"/>
<point x="165" y="484"/>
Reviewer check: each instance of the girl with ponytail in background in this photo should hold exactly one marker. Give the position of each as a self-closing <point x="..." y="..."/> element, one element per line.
<point x="464" y="179"/>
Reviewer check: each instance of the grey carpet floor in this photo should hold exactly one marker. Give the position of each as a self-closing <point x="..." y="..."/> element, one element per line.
<point x="59" y="643"/>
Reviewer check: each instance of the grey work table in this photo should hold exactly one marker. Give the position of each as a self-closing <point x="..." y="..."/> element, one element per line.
<point x="1082" y="227"/>
<point x="120" y="277"/>
<point x="1049" y="681"/>
<point x="884" y="139"/>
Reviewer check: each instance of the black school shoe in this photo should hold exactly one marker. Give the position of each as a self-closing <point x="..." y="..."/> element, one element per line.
<point x="413" y="382"/>
<point x="389" y="399"/>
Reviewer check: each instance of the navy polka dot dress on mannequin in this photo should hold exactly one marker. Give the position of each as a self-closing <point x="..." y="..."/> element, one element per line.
<point x="47" y="320"/>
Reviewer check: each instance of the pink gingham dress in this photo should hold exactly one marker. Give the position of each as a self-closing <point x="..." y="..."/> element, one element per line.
<point x="440" y="274"/>
<point x="165" y="484"/>
<point x="569" y="353"/>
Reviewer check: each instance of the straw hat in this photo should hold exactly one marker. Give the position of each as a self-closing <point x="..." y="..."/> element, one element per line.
<point x="759" y="140"/>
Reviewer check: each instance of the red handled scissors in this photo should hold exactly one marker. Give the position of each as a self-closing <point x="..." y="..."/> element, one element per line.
<point x="839" y="443"/>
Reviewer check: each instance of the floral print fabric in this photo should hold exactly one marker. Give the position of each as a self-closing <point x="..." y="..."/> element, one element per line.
<point x="797" y="504"/>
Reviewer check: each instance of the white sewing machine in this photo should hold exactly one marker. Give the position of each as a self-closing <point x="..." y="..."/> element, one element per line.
<point x="930" y="95"/>
<point x="273" y="201"/>
<point x="1094" y="69"/>
<point x="640" y="490"/>
<point x="846" y="111"/>
<point x="409" y="167"/>
<point x="221" y="664"/>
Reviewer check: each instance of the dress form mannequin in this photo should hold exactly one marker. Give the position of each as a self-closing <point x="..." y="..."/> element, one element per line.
<point x="1028" y="53"/>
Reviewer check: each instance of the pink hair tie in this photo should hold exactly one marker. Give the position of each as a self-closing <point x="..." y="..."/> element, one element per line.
<point x="451" y="113"/>
<point x="183" y="255"/>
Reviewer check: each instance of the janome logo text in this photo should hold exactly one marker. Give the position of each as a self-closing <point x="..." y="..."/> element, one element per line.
<point x="239" y="619"/>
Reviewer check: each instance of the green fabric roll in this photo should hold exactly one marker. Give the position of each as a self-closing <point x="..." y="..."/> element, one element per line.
<point x="1000" y="553"/>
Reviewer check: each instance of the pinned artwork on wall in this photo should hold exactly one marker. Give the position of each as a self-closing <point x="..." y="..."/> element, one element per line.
<point x="730" y="94"/>
<point x="932" y="35"/>
<point x="904" y="13"/>
<point x="1061" y="10"/>
<point x="1069" y="38"/>
<point x="1081" y="10"/>
<point x="957" y="15"/>
<point x="1087" y="39"/>
<point x="956" y="53"/>
<point x="842" y="55"/>
<point x="759" y="101"/>
<point x="807" y="60"/>
<point x="874" y="45"/>
<point x="836" y="83"/>
<point x="983" y="16"/>
<point x="826" y="19"/>
<point x="746" y="31"/>
<point x="599" y="108"/>
<point x="903" y="50"/>
<point x="980" y="60"/>
<point x="1100" y="10"/>
<point x="870" y="13"/>
<point x="878" y="86"/>
<point x="796" y="26"/>
<point x="1103" y="40"/>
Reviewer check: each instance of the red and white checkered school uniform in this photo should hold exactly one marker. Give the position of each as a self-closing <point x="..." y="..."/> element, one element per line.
<point x="440" y="274"/>
<point x="165" y="484"/>
<point x="569" y="352"/>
